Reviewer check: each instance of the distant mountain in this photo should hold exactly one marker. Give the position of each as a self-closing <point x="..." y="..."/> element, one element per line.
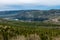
<point x="31" y="15"/>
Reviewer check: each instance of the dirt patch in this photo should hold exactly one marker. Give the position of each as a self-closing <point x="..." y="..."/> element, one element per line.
<point x="29" y="37"/>
<point x="19" y="37"/>
<point x="56" y="38"/>
<point x="33" y="37"/>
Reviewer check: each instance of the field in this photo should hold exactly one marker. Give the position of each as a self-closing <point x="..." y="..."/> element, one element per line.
<point x="17" y="30"/>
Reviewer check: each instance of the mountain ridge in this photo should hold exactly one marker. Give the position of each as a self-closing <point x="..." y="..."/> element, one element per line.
<point x="31" y="15"/>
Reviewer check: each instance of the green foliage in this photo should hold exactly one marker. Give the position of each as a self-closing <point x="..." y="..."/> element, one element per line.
<point x="44" y="30"/>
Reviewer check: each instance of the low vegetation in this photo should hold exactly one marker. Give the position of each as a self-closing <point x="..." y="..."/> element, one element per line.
<point x="16" y="30"/>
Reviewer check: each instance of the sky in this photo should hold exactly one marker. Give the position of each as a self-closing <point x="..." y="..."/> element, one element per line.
<point x="29" y="4"/>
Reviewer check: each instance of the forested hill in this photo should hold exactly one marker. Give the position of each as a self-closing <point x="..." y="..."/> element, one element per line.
<point x="31" y="15"/>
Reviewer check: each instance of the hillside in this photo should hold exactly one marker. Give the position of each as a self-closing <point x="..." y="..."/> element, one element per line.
<point x="17" y="30"/>
<point x="31" y="15"/>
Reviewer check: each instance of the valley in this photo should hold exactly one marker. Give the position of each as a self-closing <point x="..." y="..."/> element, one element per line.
<point x="30" y="25"/>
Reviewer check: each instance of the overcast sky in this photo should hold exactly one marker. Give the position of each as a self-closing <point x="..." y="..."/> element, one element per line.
<point x="29" y="4"/>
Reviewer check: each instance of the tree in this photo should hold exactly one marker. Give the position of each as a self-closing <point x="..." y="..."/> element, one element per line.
<point x="7" y="30"/>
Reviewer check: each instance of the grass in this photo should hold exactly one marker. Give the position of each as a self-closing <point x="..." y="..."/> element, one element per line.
<point x="27" y="28"/>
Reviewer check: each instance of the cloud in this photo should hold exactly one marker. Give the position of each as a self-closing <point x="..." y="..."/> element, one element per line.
<point x="18" y="2"/>
<point x="28" y="4"/>
<point x="32" y="2"/>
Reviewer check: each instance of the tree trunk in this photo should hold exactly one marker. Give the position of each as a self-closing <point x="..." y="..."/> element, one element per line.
<point x="5" y="36"/>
